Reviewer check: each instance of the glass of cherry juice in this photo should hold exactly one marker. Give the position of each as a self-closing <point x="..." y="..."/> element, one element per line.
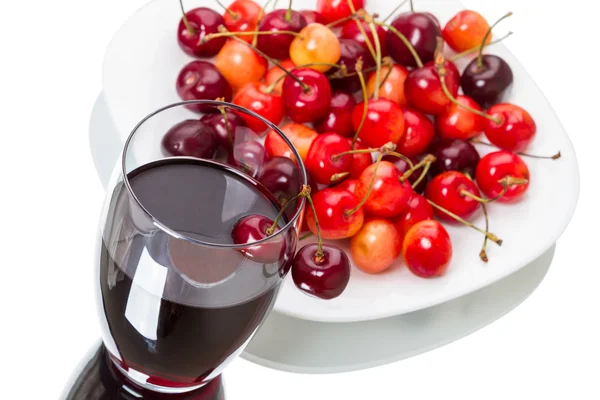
<point x="178" y="299"/>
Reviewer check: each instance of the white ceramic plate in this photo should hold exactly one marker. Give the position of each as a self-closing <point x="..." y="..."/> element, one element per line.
<point x="140" y="68"/>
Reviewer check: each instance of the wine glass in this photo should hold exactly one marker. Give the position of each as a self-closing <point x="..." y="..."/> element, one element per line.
<point x="178" y="298"/>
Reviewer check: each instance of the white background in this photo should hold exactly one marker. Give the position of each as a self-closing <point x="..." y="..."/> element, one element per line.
<point x="50" y="75"/>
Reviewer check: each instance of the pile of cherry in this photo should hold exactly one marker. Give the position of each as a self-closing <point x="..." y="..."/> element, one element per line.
<point x="375" y="113"/>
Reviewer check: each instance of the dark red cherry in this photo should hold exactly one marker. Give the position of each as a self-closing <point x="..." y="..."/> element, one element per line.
<point x="422" y="32"/>
<point x="201" y="80"/>
<point x="350" y="52"/>
<point x="339" y="117"/>
<point x="489" y="84"/>
<point x="278" y="45"/>
<point x="424" y="91"/>
<point x="351" y="31"/>
<point x="326" y="276"/>
<point x="229" y="127"/>
<point x="403" y="166"/>
<point x="203" y="21"/>
<point x="281" y="177"/>
<point x="308" y="102"/>
<point x="253" y="228"/>
<point x="191" y="138"/>
<point x="454" y="155"/>
<point x="249" y="157"/>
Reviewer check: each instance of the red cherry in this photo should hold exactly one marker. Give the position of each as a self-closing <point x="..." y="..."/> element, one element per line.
<point x="242" y="16"/>
<point x="332" y="10"/>
<point x="376" y="246"/>
<point x="312" y="16"/>
<point x="421" y="31"/>
<point x="191" y="138"/>
<point x="516" y="130"/>
<point x="201" y="80"/>
<point x="278" y="45"/>
<point x="254" y="97"/>
<point x="458" y="123"/>
<point x="418" y="210"/>
<point x="419" y="133"/>
<point x="324" y="276"/>
<point x="446" y="190"/>
<point x="339" y="117"/>
<point x="424" y="91"/>
<point x="389" y="197"/>
<point x="350" y="30"/>
<point x="384" y="122"/>
<point x="333" y="208"/>
<point x="322" y="161"/>
<point x="202" y="22"/>
<point x="360" y="161"/>
<point x="499" y="165"/>
<point x="309" y="101"/>
<point x="253" y="228"/>
<point x="427" y="249"/>
<point x="348" y="184"/>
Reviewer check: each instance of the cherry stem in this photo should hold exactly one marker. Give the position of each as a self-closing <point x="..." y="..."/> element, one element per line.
<point x="553" y="157"/>
<point x="412" y="6"/>
<point x="489" y="235"/>
<point x="366" y="196"/>
<point x="233" y="15"/>
<point x="404" y="40"/>
<point x="282" y="77"/>
<point x="476" y="49"/>
<point x="288" y="14"/>
<point x="485" y="38"/>
<point x="261" y="15"/>
<point x="483" y="253"/>
<point x="422" y="176"/>
<point x="319" y="254"/>
<point x="441" y="70"/>
<point x="385" y="78"/>
<point x="364" y="33"/>
<point x="305" y="236"/>
<point x="363" y="86"/>
<point x="340" y="21"/>
<point x="186" y="22"/>
<point x="385" y="149"/>
<point x="304" y="86"/>
<point x="377" y="59"/>
<point x="212" y="36"/>
<point x="302" y="193"/>
<point x="403" y="157"/>
<point x="506" y="183"/>
<point x="387" y="62"/>
<point x="429" y="158"/>
<point x="390" y="15"/>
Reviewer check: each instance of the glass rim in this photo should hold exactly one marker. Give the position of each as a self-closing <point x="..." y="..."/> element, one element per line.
<point x="178" y="235"/>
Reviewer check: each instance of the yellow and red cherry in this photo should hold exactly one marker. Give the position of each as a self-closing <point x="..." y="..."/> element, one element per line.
<point x="230" y="128"/>
<point x="404" y="166"/>
<point x="388" y="196"/>
<point x="277" y="45"/>
<point x="312" y="16"/>
<point x="194" y="26"/>
<point x="281" y="177"/>
<point x="350" y="51"/>
<point x="254" y="97"/>
<point x="242" y="16"/>
<point x="419" y="133"/>
<point x="337" y="214"/>
<point x="333" y="10"/>
<point x="424" y="91"/>
<point x="249" y="157"/>
<point x="347" y="184"/>
<point x="325" y="157"/>
<point x="339" y="118"/>
<point x="456" y="122"/>
<point x="316" y="45"/>
<point x="384" y="122"/>
<point x="376" y="246"/>
<point x="516" y="129"/>
<point x="322" y="272"/>
<point x="191" y="138"/>
<point x="466" y="30"/>
<point x="351" y="31"/>
<point x="421" y="31"/>
<point x="427" y="249"/>
<point x="454" y="155"/>
<point x="392" y="88"/>
<point x="255" y="227"/>
<point x="418" y="210"/>
<point x="450" y="190"/>
<point x="239" y="64"/>
<point x="488" y="82"/>
<point x="275" y="75"/>
<point x="201" y="80"/>
<point x="496" y="166"/>
<point x="360" y="161"/>
<point x="307" y="97"/>
<point x="300" y="135"/>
